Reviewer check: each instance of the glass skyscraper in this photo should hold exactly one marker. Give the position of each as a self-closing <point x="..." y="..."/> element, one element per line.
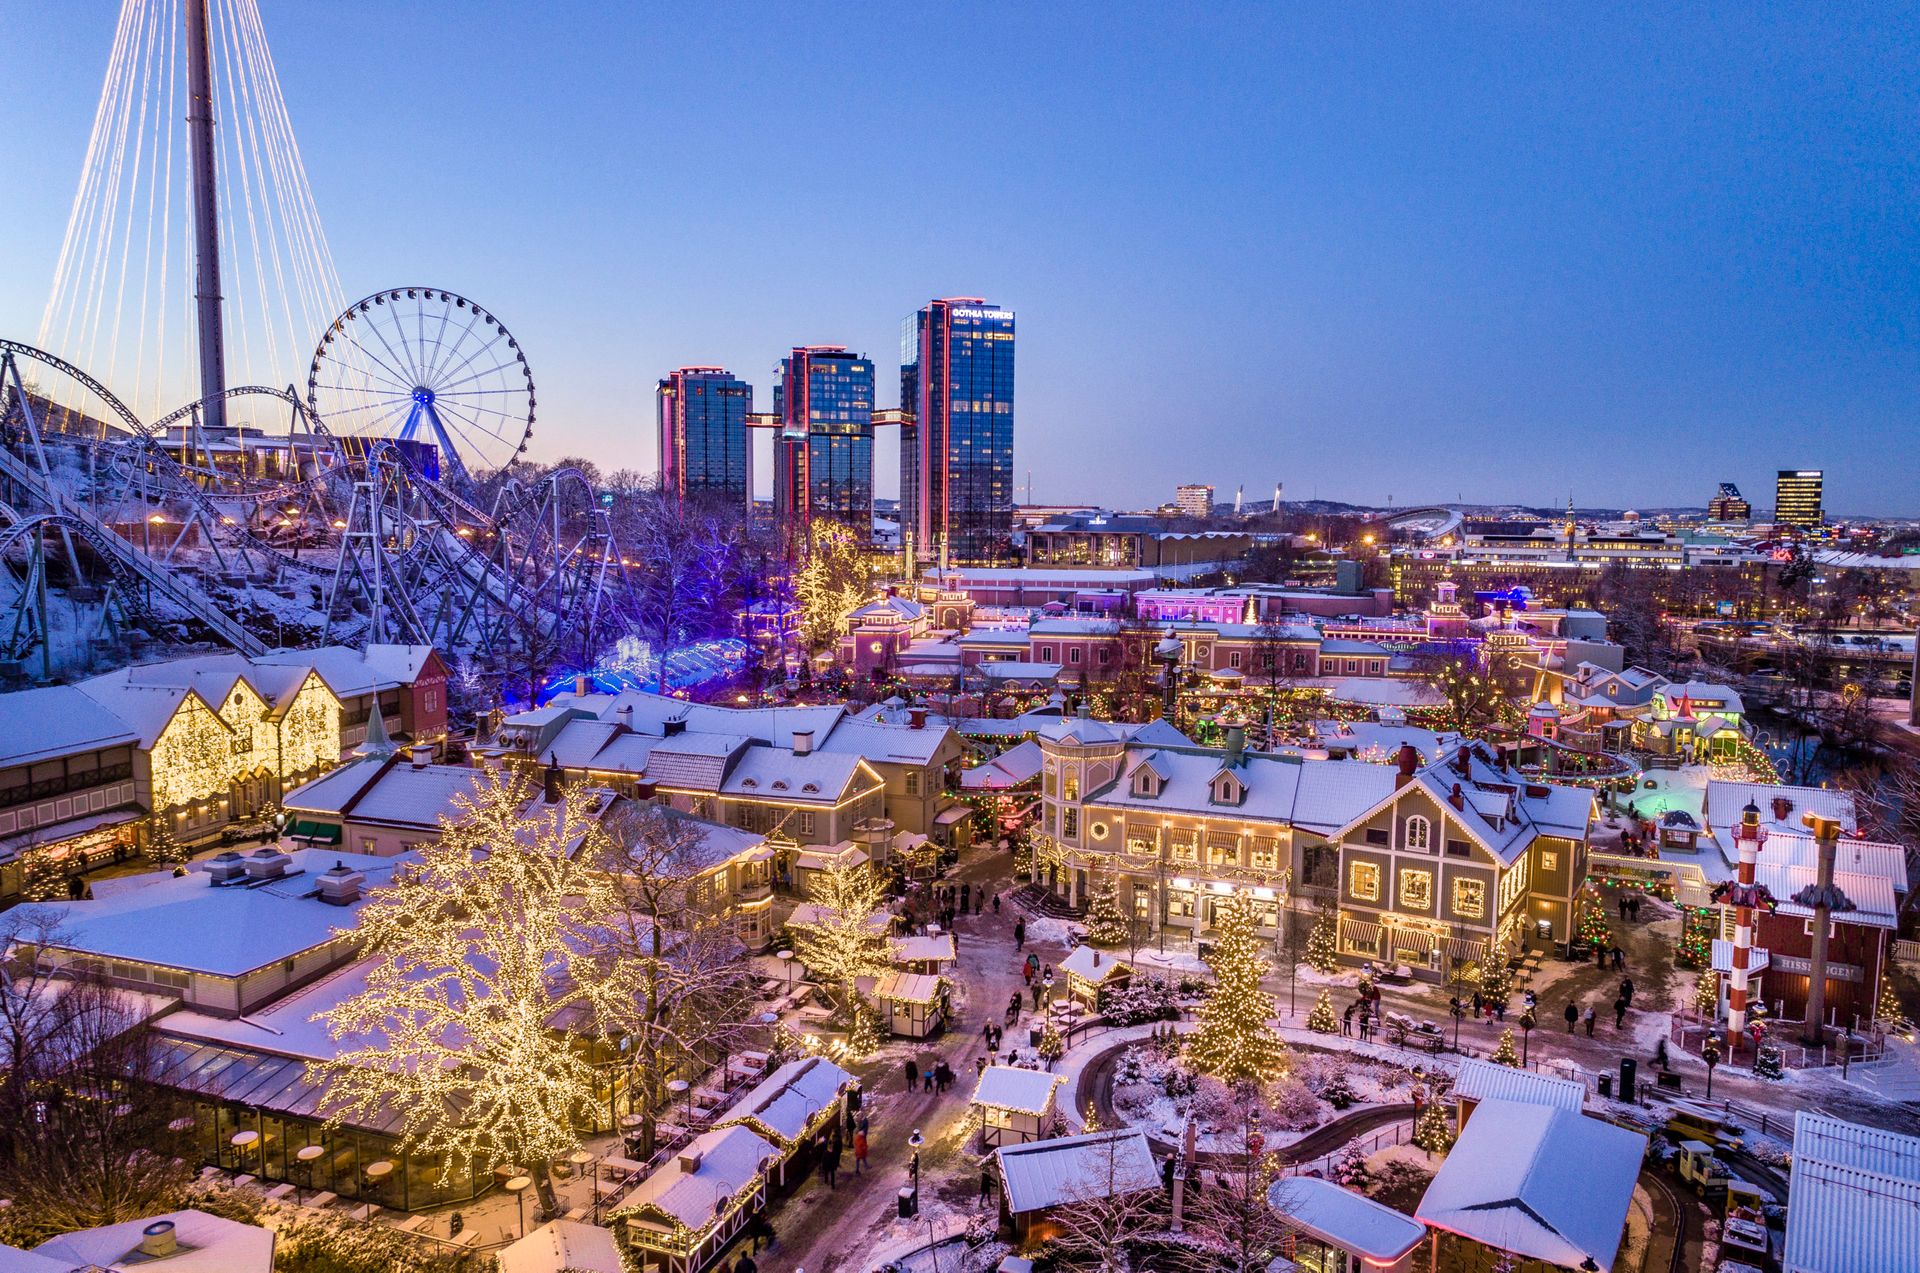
<point x="1797" y="498"/>
<point x="823" y="454"/>
<point x="956" y="457"/>
<point x="704" y="450"/>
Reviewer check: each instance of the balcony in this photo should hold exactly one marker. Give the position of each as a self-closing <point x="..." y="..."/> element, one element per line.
<point x="30" y="793"/>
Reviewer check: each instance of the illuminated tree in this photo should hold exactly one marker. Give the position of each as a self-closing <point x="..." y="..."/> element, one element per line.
<point x="1505" y="1053"/>
<point x="863" y="1030"/>
<point x="1593" y="929"/>
<point x="1323" y="1020"/>
<point x="485" y="993"/>
<point x="1322" y="954"/>
<point x="1051" y="1046"/>
<point x="831" y="584"/>
<point x="163" y="845"/>
<point x="43" y="876"/>
<point x="1888" y="1008"/>
<point x="1494" y="977"/>
<point x="1706" y="994"/>
<point x="841" y="945"/>
<point x="1698" y="927"/>
<point x="1234" y="1039"/>
<point x="1433" y="1130"/>
<point x="1106" y="925"/>
<point x="1473" y="698"/>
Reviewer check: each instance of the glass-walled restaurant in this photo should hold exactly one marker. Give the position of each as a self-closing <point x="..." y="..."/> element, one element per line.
<point x="254" y="1113"/>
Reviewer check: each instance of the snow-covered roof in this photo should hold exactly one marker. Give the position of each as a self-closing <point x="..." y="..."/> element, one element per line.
<point x="813" y="913"/>
<point x="729" y="1160"/>
<point x="1079" y="730"/>
<point x="206" y="1244"/>
<point x="57" y="721"/>
<point x="1871" y="895"/>
<point x="918" y="949"/>
<point x="1500" y="810"/>
<point x="1481" y="1080"/>
<point x="1378" y="691"/>
<point x="1320" y="795"/>
<point x="1350" y="1221"/>
<point x="1725" y="802"/>
<point x="350" y="672"/>
<point x="908" y="987"/>
<point x="774" y="773"/>
<point x="1011" y="1088"/>
<point x="652" y="712"/>
<point x="563" y="1246"/>
<point x="145" y="709"/>
<point x="1380" y="742"/>
<point x="1853" y="1200"/>
<point x="886" y="744"/>
<point x="14" y="1260"/>
<point x="185" y="922"/>
<point x="1046" y="1173"/>
<point x="1544" y="1183"/>
<point x="782" y="1105"/>
<point x="1088" y="964"/>
<point x="1018" y="764"/>
<point x="393" y="792"/>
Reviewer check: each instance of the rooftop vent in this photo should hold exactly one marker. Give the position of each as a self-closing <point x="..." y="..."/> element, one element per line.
<point x="227" y="868"/>
<point x="340" y="885"/>
<point x="268" y="863"/>
<point x="802" y="742"/>
<point x="669" y="728"/>
<point x="689" y="1160"/>
<point x="157" y="1240"/>
<point x="421" y="754"/>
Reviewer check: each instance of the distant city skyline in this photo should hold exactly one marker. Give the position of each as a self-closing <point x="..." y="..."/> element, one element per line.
<point x="1490" y="254"/>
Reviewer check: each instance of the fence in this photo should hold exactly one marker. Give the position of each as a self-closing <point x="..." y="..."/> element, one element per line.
<point x="1906" y="952"/>
<point x="1846" y="1050"/>
<point x="1400" y="1132"/>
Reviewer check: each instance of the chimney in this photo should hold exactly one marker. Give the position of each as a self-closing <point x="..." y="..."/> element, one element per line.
<point x="421" y="754"/>
<point x="1083" y="712"/>
<point x="623" y="715"/>
<point x="267" y="864"/>
<point x="157" y="1240"/>
<point x="1408" y="761"/>
<point x="340" y="885"/>
<point x="916" y="718"/>
<point x="226" y="868"/>
<point x="1236" y="745"/>
<point x="690" y="1160"/>
<point x="550" y="786"/>
<point x="643" y="790"/>
<point x="802" y="742"/>
<point x="582" y="685"/>
<point x="1781" y="808"/>
<point x="1096" y="959"/>
<point x="1456" y="799"/>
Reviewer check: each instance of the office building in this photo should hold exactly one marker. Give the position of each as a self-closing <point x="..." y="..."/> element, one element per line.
<point x="823" y="453"/>
<point x="1729" y="506"/>
<point x="1195" y="499"/>
<point x="1796" y="498"/>
<point x="704" y="452"/>
<point x="956" y="454"/>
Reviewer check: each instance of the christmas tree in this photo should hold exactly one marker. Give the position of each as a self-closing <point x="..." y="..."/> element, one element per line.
<point x="42" y="876"/>
<point x="1233" y="1040"/>
<point x="1322" y="1019"/>
<point x="1338" y="1091"/>
<point x="1697" y="931"/>
<point x="162" y="845"/>
<point x="1594" y="929"/>
<point x="1766" y="1062"/>
<point x="1506" y="1053"/>
<point x="1106" y="926"/>
<point x="863" y="1036"/>
<point x="1495" y="978"/>
<point x="1051" y="1046"/>
<point x="1322" y="956"/>
<point x="1889" y="1008"/>
<point x="1433" y="1130"/>
<point x="1706" y="995"/>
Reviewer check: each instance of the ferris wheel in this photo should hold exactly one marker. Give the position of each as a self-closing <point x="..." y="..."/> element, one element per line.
<point x="419" y="364"/>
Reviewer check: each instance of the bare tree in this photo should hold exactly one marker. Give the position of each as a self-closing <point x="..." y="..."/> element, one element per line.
<point x="1106" y="1213"/>
<point x="1235" y="1224"/>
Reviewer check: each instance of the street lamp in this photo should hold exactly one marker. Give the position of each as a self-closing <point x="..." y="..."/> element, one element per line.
<point x="1710" y="1053"/>
<point x="913" y="1166"/>
<point x="1526" y="1035"/>
<point x="518" y="1187"/>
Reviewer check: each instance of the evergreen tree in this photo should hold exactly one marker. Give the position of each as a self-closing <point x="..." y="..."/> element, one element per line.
<point x="1706" y="995"/>
<point x="1322" y="1019"/>
<point x="1233" y="1040"/>
<point x="1322" y="955"/>
<point x="1506" y="1053"/>
<point x="1106" y="926"/>
<point x="1766" y="1062"/>
<point x="1433" y="1130"/>
<point x="863" y="1034"/>
<point x="1495" y="979"/>
<point x="1051" y="1046"/>
<point x="43" y="877"/>
<point x="163" y="846"/>
<point x="1889" y="1008"/>
<point x="1594" y="929"/>
<point x="1338" y="1091"/>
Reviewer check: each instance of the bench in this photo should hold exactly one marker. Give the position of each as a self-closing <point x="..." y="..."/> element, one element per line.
<point x="321" y="1201"/>
<point x="279" y="1192"/>
<point x="1670" y="1080"/>
<point x="577" y="1214"/>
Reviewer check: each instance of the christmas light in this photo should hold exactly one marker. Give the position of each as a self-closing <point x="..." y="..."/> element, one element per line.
<point x="1234" y="1040"/>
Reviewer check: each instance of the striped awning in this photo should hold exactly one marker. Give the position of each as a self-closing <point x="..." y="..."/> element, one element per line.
<point x="1358" y="932"/>
<point x="1466" y="948"/>
<point x="1412" y="939"/>
<point x="1757" y="957"/>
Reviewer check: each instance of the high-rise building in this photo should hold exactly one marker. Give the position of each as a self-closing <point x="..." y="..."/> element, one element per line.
<point x="1797" y="498"/>
<point x="1194" y="499"/>
<point x="1729" y="506"/>
<point x="823" y="453"/>
<point x="703" y="435"/>
<point x="956" y="454"/>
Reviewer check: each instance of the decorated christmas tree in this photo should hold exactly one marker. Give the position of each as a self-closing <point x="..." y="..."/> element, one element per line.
<point x="1051" y="1046"/>
<point x="1505" y="1053"/>
<point x="1706" y="995"/>
<point x="1889" y="1008"/>
<point x="1322" y="1019"/>
<point x="1433" y="1130"/>
<point x="1697" y="931"/>
<point x="863" y="1034"/>
<point x="1234" y="1040"/>
<point x="1593" y="929"/>
<point x="1322" y="956"/>
<point x="1494" y="977"/>
<point x="163" y="846"/>
<point x="1106" y="926"/>
<point x="42" y="876"/>
<point x="1766" y="1062"/>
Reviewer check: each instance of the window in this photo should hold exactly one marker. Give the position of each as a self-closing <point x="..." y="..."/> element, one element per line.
<point x="1353" y="665"/>
<point x="1070" y="785"/>
<point x="1416" y="890"/>
<point x="1046" y="654"/>
<point x="431" y="700"/>
<point x="1549" y="860"/>
<point x="1264" y="853"/>
<point x="1459" y="849"/>
<point x="1233" y="659"/>
<point x="1320" y="865"/>
<point x="1470" y="898"/>
<point x="1223" y="850"/>
<point x="1069" y="823"/>
<point x="1379" y="835"/>
<point x="1106" y="657"/>
<point x="1073" y="655"/>
<point x="913" y="782"/>
<point x="1185" y="846"/>
<point x="1419" y="835"/>
<point x="1363" y="882"/>
<point x="806" y="824"/>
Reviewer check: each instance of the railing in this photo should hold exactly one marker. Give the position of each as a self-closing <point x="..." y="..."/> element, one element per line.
<point x="1399" y="1132"/>
<point x="1858" y="1049"/>
<point x="28" y="793"/>
<point x="1907" y="952"/>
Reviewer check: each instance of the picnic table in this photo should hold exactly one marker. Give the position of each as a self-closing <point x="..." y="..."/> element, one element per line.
<point x="321" y="1201"/>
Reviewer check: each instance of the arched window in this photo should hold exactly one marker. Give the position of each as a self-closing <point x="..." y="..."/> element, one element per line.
<point x="1419" y="836"/>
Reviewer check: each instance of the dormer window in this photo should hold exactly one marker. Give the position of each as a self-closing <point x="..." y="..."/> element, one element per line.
<point x="1419" y="835"/>
<point x="1227" y="789"/>
<point x="1146" y="783"/>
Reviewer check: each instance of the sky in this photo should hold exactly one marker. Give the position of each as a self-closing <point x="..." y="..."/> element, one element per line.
<point x="1379" y="253"/>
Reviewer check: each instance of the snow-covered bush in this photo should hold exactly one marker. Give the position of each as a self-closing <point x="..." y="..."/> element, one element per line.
<point x="1147" y="999"/>
<point x="1338" y="1091"/>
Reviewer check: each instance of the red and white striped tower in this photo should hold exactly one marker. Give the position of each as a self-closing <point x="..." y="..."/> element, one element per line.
<point x="1748" y="837"/>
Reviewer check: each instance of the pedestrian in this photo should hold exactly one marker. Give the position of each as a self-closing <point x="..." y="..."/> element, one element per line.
<point x="979" y="901"/>
<point x="966" y="896"/>
<point x="1599" y="954"/>
<point x="913" y="1074"/>
<point x="1500" y="1010"/>
<point x="1033" y="962"/>
<point x="830" y="1166"/>
<point x="1619" y="959"/>
<point x="996" y="903"/>
<point x="1626" y="990"/>
<point x="1477" y="1003"/>
<point x="762" y="1231"/>
<point x="986" y="1183"/>
<point x="745" y="1264"/>
<point x="927" y="1080"/>
<point x="1636" y="910"/>
<point x="1660" y="1055"/>
<point x="979" y="1066"/>
<point x="860" y="1148"/>
<point x="1036" y="996"/>
<point x="1587" y="1017"/>
<point x="1019" y="934"/>
<point x="1026" y="973"/>
<point x="1619" y="1013"/>
<point x="1533" y="1000"/>
<point x="1346" y="1022"/>
<point x="1572" y="1014"/>
<point x="986" y="1034"/>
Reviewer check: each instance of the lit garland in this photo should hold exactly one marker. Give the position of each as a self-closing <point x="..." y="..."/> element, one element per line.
<point x="310" y="731"/>
<point x="193" y="759"/>
<point x="1233" y="1039"/>
<point x="1697" y="931"/>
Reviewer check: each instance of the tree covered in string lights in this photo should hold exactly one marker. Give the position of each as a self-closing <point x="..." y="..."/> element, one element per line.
<point x="832" y="583"/>
<point x="163" y="843"/>
<point x="1323" y="1020"/>
<point x="841" y="944"/>
<point x="1699" y="925"/>
<point x="1706" y="995"/>
<point x="1106" y="925"/>
<point x="1888" y="1006"/>
<point x="863" y="1030"/>
<point x="1322" y="954"/>
<point x="43" y="876"/>
<point x="1234" y="1040"/>
<point x="1433" y="1130"/>
<point x="1593" y="929"/>
<point x="1051" y="1046"/>
<point x="1473" y="698"/>
<point x="1493" y="977"/>
<point x="485" y="993"/>
<point x="1505" y="1053"/>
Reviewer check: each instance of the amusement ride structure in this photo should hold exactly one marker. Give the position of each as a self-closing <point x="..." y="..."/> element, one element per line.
<point x="376" y="502"/>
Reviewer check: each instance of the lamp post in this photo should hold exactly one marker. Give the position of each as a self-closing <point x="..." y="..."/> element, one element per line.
<point x="518" y="1187"/>
<point x="1526" y="1035"/>
<point x="1710" y="1053"/>
<point x="915" y="1141"/>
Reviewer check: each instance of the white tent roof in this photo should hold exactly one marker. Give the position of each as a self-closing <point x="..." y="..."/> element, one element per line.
<point x="730" y="1159"/>
<point x="1012" y="1088"/>
<point x="786" y="1100"/>
<point x="1481" y="1080"/>
<point x="206" y="1244"/>
<point x="1372" y="1230"/>
<point x="1543" y="1183"/>
<point x="915" y="949"/>
<point x="565" y="1246"/>
<point x="1046" y="1173"/>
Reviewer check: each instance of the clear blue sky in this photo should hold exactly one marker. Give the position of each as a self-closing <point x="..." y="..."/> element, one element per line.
<point x="1501" y="251"/>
